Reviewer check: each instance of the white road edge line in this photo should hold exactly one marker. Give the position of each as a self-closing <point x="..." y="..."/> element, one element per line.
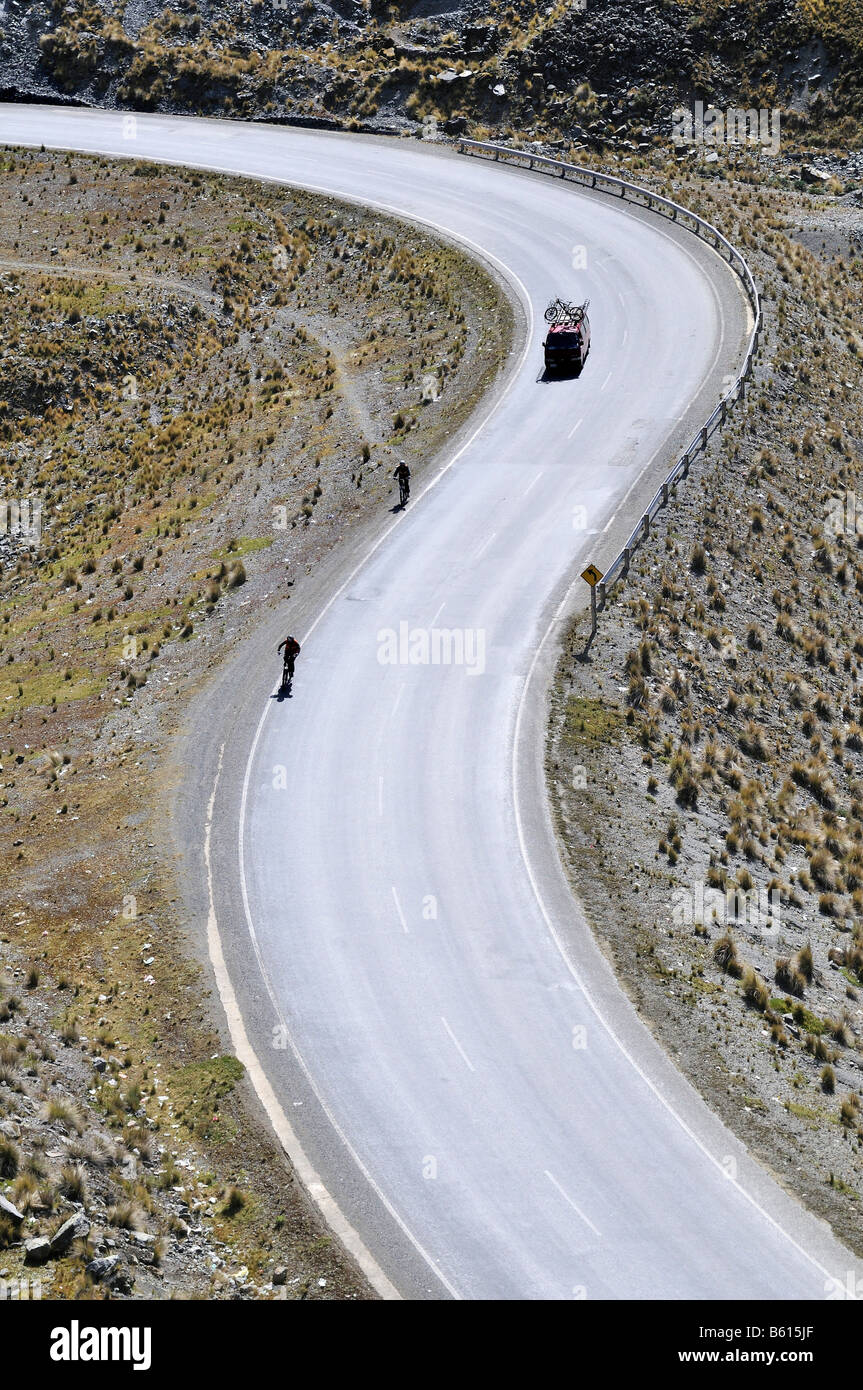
<point x="282" y="1127"/>
<point x="532" y="484"/>
<point x="461" y="1051"/>
<point x="566" y="1197"/>
<point x="574" y="428"/>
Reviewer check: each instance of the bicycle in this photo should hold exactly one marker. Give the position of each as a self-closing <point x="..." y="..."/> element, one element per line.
<point x="560" y="311"/>
<point x="404" y="476"/>
<point x="292" y="651"/>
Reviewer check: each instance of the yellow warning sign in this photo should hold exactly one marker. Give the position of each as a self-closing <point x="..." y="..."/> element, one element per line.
<point x="592" y="575"/>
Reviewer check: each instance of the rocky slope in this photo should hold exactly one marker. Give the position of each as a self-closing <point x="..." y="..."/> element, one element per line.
<point x="587" y="73"/>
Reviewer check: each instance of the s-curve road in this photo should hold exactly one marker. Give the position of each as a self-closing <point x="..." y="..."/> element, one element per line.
<point x="466" y="1091"/>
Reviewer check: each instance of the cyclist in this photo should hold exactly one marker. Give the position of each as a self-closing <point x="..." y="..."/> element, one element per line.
<point x="403" y="473"/>
<point x="292" y="651"/>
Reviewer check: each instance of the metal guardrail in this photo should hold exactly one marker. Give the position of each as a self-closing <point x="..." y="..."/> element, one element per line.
<point x="592" y="178"/>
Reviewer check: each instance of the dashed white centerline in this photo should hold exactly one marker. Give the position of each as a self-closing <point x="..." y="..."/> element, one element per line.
<point x="535" y="480"/>
<point x="437" y="614"/>
<point x="400" y="913"/>
<point x="461" y="1051"/>
<point x="566" y="1197"/>
<point x="398" y="697"/>
<point x="607" y="380"/>
<point x="485" y="545"/>
<point x="625" y="336"/>
<point x="574" y="428"/>
<point x="380" y="796"/>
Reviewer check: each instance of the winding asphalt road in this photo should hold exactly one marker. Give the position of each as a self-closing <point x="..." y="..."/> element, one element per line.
<point x="465" y="1089"/>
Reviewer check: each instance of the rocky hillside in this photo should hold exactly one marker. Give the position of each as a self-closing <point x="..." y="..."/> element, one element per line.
<point x="586" y="72"/>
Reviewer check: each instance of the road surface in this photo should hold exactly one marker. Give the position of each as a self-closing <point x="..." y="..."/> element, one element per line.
<point x="472" y="1099"/>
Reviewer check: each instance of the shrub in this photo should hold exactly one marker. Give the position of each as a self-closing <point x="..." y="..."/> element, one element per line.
<point x="805" y="962"/>
<point x="755" y="991"/>
<point x="10" y="1158"/>
<point x="828" y="1080"/>
<point x="789" y="978"/>
<point x="64" y="1114"/>
<point x="725" y="955"/>
<point x="234" y="1202"/>
<point x="72" y="1183"/>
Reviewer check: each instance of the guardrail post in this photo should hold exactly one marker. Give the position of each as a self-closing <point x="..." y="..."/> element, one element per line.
<point x="724" y="411"/>
<point x="704" y="437"/>
<point x="665" y="494"/>
<point x="685" y="462"/>
<point x="645" y="525"/>
<point x="627" y="556"/>
<point x="601" y="588"/>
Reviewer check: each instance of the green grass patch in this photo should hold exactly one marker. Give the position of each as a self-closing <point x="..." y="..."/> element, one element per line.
<point x="41" y="683"/>
<point x="803" y="1112"/>
<point x="197" y="1089"/>
<point x="591" y="722"/>
<point x="244" y="545"/>
<point x="839" y="1186"/>
<point x="755" y="1103"/>
<point x="806" y="1019"/>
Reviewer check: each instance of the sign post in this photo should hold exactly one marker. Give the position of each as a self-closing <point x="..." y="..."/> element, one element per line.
<point x="592" y="576"/>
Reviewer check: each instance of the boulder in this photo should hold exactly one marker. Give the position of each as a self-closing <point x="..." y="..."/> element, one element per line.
<point x="104" y="1268"/>
<point x="37" y="1250"/>
<point x="7" y="1209"/>
<point x="76" y="1228"/>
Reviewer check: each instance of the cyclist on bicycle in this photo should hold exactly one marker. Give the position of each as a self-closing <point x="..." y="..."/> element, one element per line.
<point x="403" y="473"/>
<point x="292" y="651"/>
